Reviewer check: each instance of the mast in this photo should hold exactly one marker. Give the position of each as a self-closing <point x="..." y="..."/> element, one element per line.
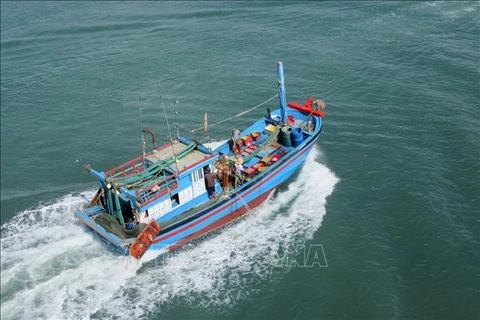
<point x="281" y="94"/>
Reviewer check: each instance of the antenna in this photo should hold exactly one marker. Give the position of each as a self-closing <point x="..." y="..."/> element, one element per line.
<point x="168" y="128"/>
<point x="170" y="137"/>
<point x="142" y="128"/>
<point x="176" y="118"/>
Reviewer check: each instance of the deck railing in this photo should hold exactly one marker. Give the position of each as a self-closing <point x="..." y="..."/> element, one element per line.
<point x="131" y="167"/>
<point x="156" y="191"/>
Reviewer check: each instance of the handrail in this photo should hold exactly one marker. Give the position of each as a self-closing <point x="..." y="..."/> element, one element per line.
<point x="155" y="184"/>
<point x="155" y="168"/>
<point x="129" y="162"/>
<point x="173" y="186"/>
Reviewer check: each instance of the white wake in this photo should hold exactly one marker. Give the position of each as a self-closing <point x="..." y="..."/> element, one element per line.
<point x="52" y="267"/>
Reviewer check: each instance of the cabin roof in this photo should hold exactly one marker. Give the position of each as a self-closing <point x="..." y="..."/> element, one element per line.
<point x="167" y="152"/>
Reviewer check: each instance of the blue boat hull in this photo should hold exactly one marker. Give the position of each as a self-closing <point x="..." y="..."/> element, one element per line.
<point x="172" y="188"/>
<point x="247" y="198"/>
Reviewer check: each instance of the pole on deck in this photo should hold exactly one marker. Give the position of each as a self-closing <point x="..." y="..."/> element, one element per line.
<point x="281" y="94"/>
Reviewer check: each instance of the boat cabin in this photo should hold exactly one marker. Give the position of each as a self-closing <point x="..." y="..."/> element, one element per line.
<point x="156" y="185"/>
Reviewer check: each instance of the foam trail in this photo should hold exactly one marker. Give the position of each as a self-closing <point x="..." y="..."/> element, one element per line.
<point x="61" y="271"/>
<point x="53" y="268"/>
<point x="222" y="269"/>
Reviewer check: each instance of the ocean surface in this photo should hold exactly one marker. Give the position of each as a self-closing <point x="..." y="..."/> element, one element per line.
<point x="389" y="198"/>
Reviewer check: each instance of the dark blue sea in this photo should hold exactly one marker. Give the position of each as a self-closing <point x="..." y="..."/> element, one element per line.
<point x="388" y="201"/>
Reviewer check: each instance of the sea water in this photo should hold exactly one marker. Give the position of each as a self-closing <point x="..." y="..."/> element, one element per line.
<point x="387" y="202"/>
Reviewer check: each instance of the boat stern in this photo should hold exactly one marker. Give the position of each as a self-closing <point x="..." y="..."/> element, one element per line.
<point x="86" y="217"/>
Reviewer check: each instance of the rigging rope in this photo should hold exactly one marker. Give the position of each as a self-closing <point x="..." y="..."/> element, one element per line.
<point x="169" y="132"/>
<point x="232" y="117"/>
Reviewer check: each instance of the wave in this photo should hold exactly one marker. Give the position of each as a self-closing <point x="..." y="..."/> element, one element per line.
<point x="62" y="271"/>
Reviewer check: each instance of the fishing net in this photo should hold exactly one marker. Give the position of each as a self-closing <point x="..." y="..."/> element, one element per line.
<point x="110" y="224"/>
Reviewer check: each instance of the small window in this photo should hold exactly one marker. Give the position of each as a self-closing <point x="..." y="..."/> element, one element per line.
<point x="175" y="199"/>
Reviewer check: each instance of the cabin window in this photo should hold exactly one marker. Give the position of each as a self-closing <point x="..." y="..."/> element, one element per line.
<point x="175" y="200"/>
<point x="185" y="195"/>
<point x="197" y="182"/>
<point x="160" y="209"/>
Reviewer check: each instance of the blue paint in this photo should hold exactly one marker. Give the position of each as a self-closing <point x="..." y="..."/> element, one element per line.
<point x="186" y="191"/>
<point x="296" y="137"/>
<point x="281" y="94"/>
<point x="98" y="175"/>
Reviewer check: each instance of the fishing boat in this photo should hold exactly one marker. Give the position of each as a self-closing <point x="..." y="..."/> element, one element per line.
<point x="178" y="192"/>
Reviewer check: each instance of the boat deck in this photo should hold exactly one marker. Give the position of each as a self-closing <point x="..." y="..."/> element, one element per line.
<point x="259" y="154"/>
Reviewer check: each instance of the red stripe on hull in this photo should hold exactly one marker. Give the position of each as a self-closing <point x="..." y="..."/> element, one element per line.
<point x="223" y="221"/>
<point x="235" y="201"/>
